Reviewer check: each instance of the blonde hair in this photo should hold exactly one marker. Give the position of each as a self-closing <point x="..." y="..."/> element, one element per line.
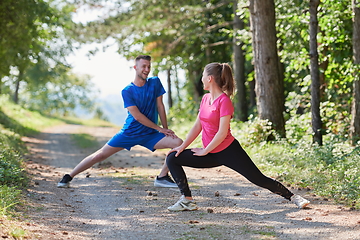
<point x="223" y="76"/>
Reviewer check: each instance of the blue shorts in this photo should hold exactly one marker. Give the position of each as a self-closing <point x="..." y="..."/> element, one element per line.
<point x="148" y="141"/>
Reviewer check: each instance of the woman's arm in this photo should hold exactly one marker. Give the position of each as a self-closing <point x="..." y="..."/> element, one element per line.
<point x="218" y="138"/>
<point x="192" y="135"/>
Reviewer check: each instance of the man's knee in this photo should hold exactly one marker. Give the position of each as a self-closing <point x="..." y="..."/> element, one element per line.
<point x="178" y="142"/>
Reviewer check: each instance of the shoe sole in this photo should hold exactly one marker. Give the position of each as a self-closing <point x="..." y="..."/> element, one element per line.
<point x="163" y="185"/>
<point x="184" y="209"/>
<point x="305" y="205"/>
<point x="60" y="185"/>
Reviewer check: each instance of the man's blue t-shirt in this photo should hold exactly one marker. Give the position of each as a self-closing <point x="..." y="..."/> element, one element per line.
<point x="144" y="98"/>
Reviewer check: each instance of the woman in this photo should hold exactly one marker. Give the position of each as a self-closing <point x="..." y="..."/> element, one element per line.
<point x="220" y="147"/>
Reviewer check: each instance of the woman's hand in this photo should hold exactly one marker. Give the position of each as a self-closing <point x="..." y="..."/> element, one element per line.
<point x="199" y="151"/>
<point x="178" y="150"/>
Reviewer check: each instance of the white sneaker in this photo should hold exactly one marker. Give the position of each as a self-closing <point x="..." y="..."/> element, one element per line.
<point x="165" y="182"/>
<point x="183" y="205"/>
<point x="300" y="201"/>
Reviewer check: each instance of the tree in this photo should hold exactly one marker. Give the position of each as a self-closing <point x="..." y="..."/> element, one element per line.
<point x="269" y="88"/>
<point x="165" y="30"/>
<point x="315" y="78"/>
<point x="239" y="67"/>
<point x="355" y="112"/>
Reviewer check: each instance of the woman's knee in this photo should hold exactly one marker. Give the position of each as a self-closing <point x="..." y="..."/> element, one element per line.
<point x="170" y="159"/>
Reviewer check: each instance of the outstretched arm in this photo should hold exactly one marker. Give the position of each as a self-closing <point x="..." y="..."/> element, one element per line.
<point x="192" y="135"/>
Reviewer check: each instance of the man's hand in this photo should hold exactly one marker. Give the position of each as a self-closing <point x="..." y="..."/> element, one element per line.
<point x="168" y="132"/>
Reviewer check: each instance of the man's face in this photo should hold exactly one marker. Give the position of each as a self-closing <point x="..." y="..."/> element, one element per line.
<point x="142" y="68"/>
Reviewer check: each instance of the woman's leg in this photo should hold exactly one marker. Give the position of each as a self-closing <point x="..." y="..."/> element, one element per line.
<point x="237" y="159"/>
<point x="187" y="158"/>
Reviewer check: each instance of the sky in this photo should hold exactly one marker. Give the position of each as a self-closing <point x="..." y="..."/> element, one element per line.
<point x="108" y="70"/>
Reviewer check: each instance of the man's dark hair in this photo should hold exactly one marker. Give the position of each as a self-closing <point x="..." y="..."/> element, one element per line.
<point x="145" y="57"/>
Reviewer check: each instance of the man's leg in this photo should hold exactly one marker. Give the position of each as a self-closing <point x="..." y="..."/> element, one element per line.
<point x="163" y="179"/>
<point x="167" y="142"/>
<point x="98" y="156"/>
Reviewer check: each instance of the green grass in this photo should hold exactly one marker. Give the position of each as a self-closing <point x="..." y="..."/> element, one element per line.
<point x="84" y="140"/>
<point x="9" y="197"/>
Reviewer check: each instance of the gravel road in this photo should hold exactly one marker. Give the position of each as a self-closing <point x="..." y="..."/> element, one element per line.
<point x="116" y="199"/>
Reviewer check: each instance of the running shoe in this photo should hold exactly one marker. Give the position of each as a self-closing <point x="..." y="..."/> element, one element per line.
<point x="300" y="201"/>
<point x="183" y="205"/>
<point x="65" y="181"/>
<point x="164" y="182"/>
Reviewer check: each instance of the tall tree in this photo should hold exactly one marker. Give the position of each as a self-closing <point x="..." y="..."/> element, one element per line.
<point x="269" y="88"/>
<point x="315" y="75"/>
<point x="239" y="68"/>
<point x="165" y="29"/>
<point x="355" y="111"/>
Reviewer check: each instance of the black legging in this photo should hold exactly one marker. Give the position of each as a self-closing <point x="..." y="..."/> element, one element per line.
<point x="233" y="157"/>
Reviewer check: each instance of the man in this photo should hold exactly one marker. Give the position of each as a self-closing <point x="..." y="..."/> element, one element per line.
<point x="144" y="102"/>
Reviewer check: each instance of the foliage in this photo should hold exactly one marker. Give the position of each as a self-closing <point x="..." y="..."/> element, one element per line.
<point x="20" y="120"/>
<point x="330" y="171"/>
<point x="11" y="169"/>
<point x="63" y="92"/>
<point x="84" y="140"/>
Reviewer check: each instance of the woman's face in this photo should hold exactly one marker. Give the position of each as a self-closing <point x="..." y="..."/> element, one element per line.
<point x="205" y="80"/>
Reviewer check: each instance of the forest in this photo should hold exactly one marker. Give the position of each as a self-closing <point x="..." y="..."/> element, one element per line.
<point x="296" y="66"/>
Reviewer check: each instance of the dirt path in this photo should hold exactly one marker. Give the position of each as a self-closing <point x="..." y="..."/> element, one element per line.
<point x="117" y="200"/>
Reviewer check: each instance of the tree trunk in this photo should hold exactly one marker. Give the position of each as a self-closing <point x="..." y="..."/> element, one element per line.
<point x="252" y="94"/>
<point x="170" y="102"/>
<point x="239" y="70"/>
<point x="17" y="86"/>
<point x="315" y="74"/>
<point x="355" y="111"/>
<point x="268" y="88"/>
<point x="177" y="85"/>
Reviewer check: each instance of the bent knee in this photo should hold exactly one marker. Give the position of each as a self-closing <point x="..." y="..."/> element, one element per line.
<point x="178" y="142"/>
<point x="170" y="158"/>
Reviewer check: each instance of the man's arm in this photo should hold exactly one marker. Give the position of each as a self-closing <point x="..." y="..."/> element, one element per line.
<point x="161" y="111"/>
<point x="141" y="118"/>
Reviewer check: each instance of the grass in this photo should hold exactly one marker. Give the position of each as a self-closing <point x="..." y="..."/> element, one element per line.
<point x="84" y="140"/>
